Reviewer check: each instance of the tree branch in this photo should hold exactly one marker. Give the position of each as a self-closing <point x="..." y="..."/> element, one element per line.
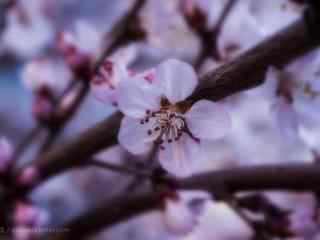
<point x="303" y="177"/>
<point x="118" y="168"/>
<point x="117" y="210"/>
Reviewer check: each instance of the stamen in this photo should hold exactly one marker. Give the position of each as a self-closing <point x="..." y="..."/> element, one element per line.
<point x="167" y="124"/>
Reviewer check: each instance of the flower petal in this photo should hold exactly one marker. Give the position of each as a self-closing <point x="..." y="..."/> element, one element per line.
<point x="179" y="157"/>
<point x="5" y="153"/>
<point x="286" y="118"/>
<point x="182" y="215"/>
<point x="136" y="96"/>
<point x="270" y="84"/>
<point x="104" y="83"/>
<point x="177" y="79"/>
<point x="134" y="137"/>
<point x="208" y="120"/>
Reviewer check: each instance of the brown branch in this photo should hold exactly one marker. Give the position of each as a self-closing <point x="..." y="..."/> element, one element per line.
<point x="247" y="70"/>
<point x="118" y="209"/>
<point x="68" y="155"/>
<point x="118" y="168"/>
<point x="25" y="142"/>
<point x="304" y="177"/>
<point x="300" y="177"/>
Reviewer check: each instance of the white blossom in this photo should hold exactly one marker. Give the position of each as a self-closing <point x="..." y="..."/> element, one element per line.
<point x="156" y="113"/>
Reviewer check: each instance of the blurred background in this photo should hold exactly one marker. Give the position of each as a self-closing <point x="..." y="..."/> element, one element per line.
<point x="30" y="32"/>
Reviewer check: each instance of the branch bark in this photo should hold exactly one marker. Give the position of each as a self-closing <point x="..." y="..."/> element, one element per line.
<point x="118" y="209"/>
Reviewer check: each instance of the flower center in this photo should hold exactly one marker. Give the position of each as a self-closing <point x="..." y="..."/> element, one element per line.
<point x="166" y="125"/>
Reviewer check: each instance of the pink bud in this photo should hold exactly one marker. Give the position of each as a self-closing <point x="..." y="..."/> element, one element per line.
<point x="5" y="154"/>
<point x="29" y="176"/>
<point x="24" y="214"/>
<point x="22" y="233"/>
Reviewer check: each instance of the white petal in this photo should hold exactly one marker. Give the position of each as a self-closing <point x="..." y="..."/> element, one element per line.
<point x="177" y="79"/>
<point x="180" y="157"/>
<point x="231" y="227"/>
<point x="307" y="110"/>
<point x="134" y="137"/>
<point x="104" y="93"/>
<point x="287" y="119"/>
<point x="88" y="37"/>
<point x="5" y="153"/>
<point x="182" y="215"/>
<point x="270" y="84"/>
<point x="136" y="95"/>
<point x="208" y="120"/>
<point x="104" y="83"/>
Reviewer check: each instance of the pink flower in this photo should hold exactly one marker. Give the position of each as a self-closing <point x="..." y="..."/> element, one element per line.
<point x="42" y="72"/>
<point x="181" y="216"/>
<point x="157" y="113"/>
<point x="220" y="222"/>
<point x="81" y="44"/>
<point x="111" y="72"/>
<point x="28" y="32"/>
<point x="29" y="176"/>
<point x="167" y="32"/>
<point x="26" y="217"/>
<point x="5" y="153"/>
<point x="295" y="94"/>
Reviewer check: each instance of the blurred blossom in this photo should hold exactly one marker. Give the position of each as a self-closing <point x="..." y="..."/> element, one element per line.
<point x="5" y="153"/>
<point x="274" y="15"/>
<point x="156" y="113"/>
<point x="251" y="21"/>
<point x="240" y="32"/>
<point x="46" y="73"/>
<point x="27" y="217"/>
<point x="113" y="70"/>
<point x="301" y="208"/>
<point x="181" y="215"/>
<point x="295" y="94"/>
<point x="81" y="44"/>
<point x="29" y="176"/>
<point x="221" y="222"/>
<point x="28" y="30"/>
<point x="167" y="31"/>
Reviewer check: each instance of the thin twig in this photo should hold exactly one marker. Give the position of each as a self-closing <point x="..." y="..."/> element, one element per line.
<point x="22" y="146"/>
<point x="118" y="168"/>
